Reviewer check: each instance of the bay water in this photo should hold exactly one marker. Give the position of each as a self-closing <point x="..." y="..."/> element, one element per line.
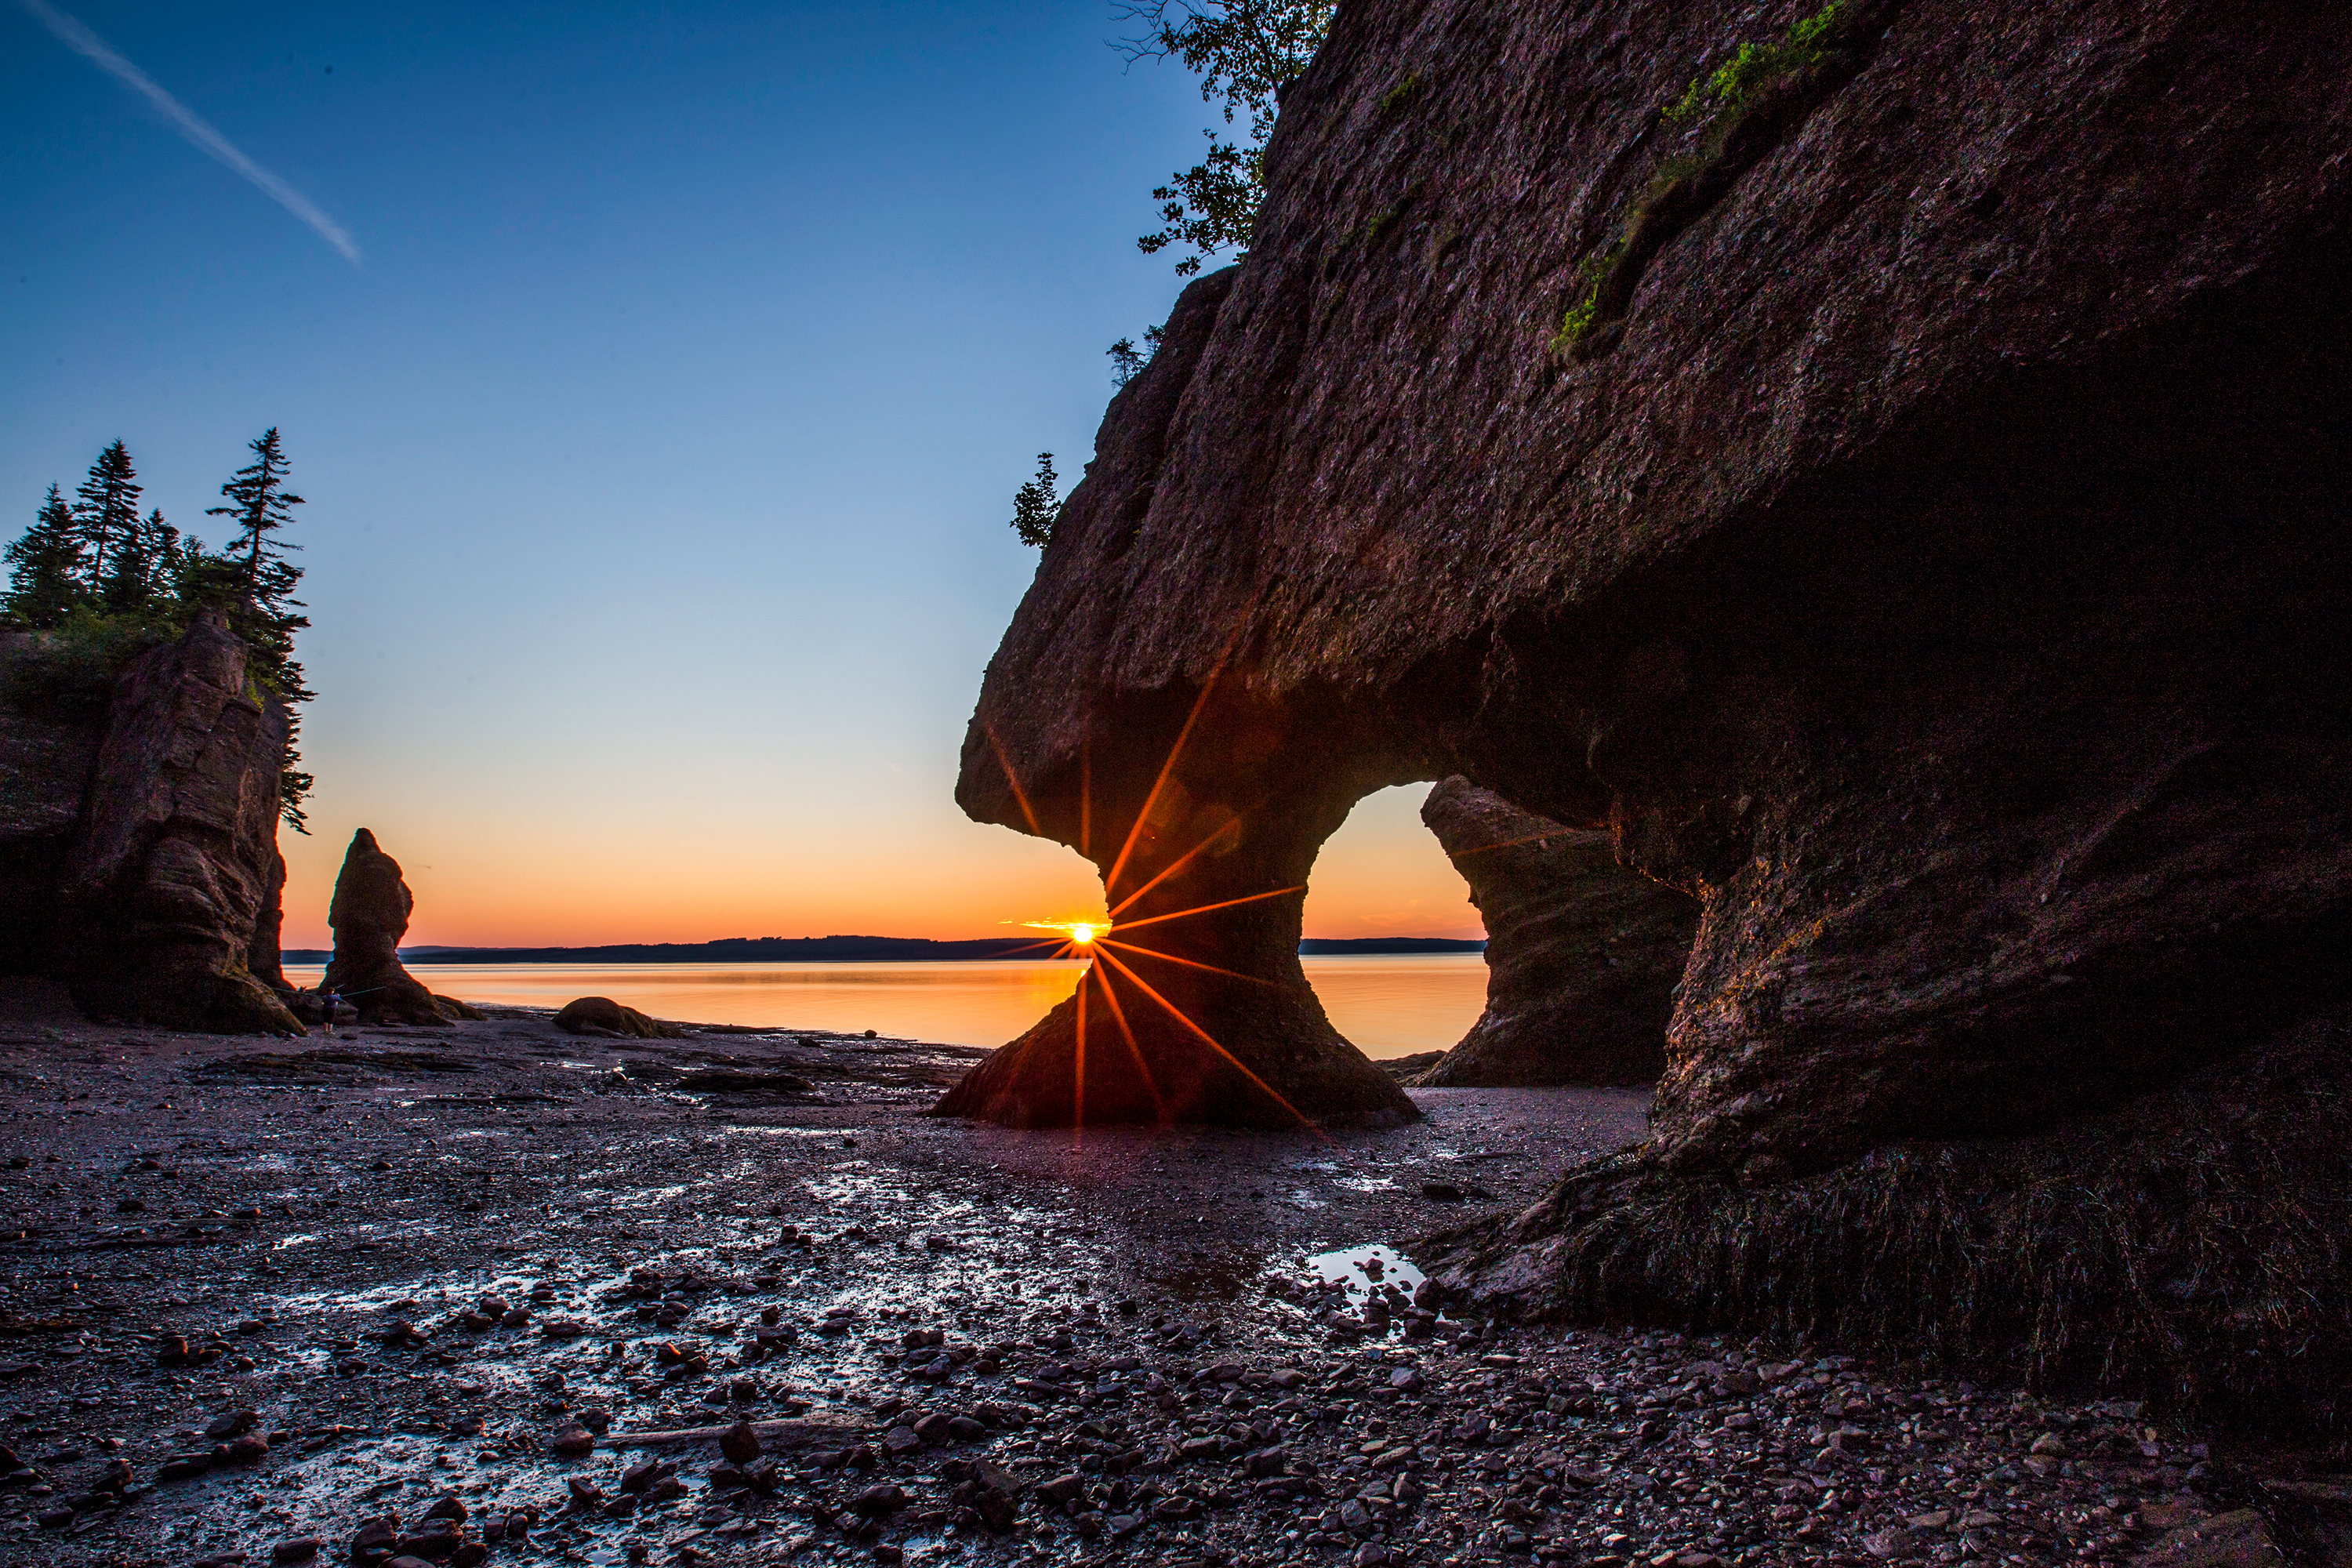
<point x="1389" y="1004"/>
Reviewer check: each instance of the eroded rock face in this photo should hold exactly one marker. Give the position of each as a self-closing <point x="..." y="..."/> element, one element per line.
<point x="176" y="858"/>
<point x="1191" y="799"/>
<point x="1809" y="590"/>
<point x="263" y="957"/>
<point x="1935" y="572"/>
<point x="370" y="915"/>
<point x="46" y="755"/>
<point x="1582" y="955"/>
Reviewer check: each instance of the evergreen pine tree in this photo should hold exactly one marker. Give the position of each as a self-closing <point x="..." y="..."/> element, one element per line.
<point x="255" y="583"/>
<point x="160" y="544"/>
<point x="45" y="568"/>
<point x="1036" y="504"/>
<point x="263" y="579"/>
<point x="144" y="569"/>
<point x="180" y="575"/>
<point x="106" y="514"/>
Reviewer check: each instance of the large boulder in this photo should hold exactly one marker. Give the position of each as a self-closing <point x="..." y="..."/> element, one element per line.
<point x="1900" y="509"/>
<point x="368" y="915"/>
<point x="171" y="871"/>
<point x="603" y="1017"/>
<point x="1582" y="955"/>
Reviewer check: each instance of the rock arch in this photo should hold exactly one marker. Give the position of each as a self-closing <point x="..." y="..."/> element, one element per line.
<point x="1939" y="578"/>
<point x="1195" y="1009"/>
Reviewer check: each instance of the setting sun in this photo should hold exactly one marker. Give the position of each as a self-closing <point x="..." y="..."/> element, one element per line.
<point x="1080" y="932"/>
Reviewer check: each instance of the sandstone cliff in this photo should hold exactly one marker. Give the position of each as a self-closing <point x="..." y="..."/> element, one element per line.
<point x="174" y="864"/>
<point x="1930" y="560"/>
<point x="1582" y="955"/>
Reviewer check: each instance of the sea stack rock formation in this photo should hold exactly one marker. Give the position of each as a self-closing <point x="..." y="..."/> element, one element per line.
<point x="370" y="915"/>
<point x="169" y="877"/>
<point x="1202" y="807"/>
<point x="1582" y="955"/>
<point x="1899" y="503"/>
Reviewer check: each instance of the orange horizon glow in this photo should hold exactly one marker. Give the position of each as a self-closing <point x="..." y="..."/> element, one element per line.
<point x="550" y="880"/>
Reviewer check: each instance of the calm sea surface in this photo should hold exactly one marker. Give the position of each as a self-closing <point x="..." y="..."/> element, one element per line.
<point x="1391" y="1007"/>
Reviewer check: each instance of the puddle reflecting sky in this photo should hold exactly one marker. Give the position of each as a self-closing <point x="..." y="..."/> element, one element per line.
<point x="1362" y="1268"/>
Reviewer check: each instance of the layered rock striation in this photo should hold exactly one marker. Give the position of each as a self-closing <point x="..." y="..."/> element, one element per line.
<point x="368" y="915"/>
<point x="1931" y="565"/>
<point x="1582" y="955"/>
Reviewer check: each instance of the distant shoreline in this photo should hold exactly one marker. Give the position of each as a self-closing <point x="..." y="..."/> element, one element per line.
<point x="846" y="950"/>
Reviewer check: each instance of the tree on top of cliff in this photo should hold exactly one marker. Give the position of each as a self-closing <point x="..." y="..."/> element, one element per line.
<point x="1247" y="52"/>
<point x="254" y="583"/>
<point x="254" y="567"/>
<point x="106" y="512"/>
<point x="44" y="568"/>
<point x="149" y="563"/>
<point x="107" y="586"/>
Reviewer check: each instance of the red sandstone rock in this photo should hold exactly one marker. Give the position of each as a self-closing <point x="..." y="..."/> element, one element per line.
<point x="1937" y="579"/>
<point x="603" y="1016"/>
<point x="262" y="955"/>
<point x="1582" y="954"/>
<point x="370" y="915"/>
<point x="171" y="869"/>
<point x="1939" y="576"/>
<point x="45" y="762"/>
<point x="1188" y="1016"/>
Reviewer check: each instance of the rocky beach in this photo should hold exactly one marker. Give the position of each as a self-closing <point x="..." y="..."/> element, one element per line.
<point x="1835" y="500"/>
<point x="493" y="1292"/>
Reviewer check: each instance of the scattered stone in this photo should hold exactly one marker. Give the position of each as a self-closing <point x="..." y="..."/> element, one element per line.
<point x="741" y="1443"/>
<point x="879" y="1502"/>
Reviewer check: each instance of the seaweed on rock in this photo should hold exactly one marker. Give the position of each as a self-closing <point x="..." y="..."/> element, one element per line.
<point x="2188" y="1245"/>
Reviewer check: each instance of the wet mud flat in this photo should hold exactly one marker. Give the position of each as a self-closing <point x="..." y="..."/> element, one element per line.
<point x="496" y="1293"/>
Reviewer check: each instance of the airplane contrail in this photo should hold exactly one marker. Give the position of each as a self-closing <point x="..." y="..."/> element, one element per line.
<point x="92" y="47"/>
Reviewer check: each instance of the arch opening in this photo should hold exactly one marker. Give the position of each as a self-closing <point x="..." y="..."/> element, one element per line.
<point x="1383" y="897"/>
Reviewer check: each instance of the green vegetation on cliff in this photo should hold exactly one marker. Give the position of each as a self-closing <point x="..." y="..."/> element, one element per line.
<point x="1246" y="52"/>
<point x="1734" y="112"/>
<point x="1037" y="503"/>
<point x="102" y="585"/>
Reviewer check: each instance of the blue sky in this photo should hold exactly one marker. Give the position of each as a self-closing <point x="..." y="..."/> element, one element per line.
<point x="660" y="448"/>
